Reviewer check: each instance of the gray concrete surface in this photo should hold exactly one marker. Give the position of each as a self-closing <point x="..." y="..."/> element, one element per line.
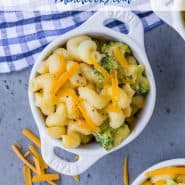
<point x="162" y="139"/>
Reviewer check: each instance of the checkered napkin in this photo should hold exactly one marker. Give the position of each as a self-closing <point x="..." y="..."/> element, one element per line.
<point x="23" y="35"/>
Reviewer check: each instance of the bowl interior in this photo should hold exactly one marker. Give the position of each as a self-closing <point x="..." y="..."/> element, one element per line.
<point x="145" y="113"/>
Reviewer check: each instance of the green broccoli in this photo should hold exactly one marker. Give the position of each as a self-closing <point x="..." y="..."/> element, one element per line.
<point x="109" y="63"/>
<point x="141" y="84"/>
<point x="105" y="137"/>
<point x="134" y="74"/>
<point x="98" y="78"/>
<point x="109" y="137"/>
<point x="107" y="47"/>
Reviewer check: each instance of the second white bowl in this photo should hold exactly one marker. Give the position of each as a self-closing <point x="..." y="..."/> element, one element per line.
<point x="173" y="162"/>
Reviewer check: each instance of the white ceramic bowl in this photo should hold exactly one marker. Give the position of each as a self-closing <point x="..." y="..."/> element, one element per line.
<point x="94" y="27"/>
<point x="169" y="12"/>
<point x="173" y="162"/>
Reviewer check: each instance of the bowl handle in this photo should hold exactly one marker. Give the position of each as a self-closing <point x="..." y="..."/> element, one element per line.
<point x="135" y="26"/>
<point x="63" y="166"/>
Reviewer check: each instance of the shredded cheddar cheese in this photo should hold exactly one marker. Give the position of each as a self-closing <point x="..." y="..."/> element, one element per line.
<point x="76" y="178"/>
<point x="45" y="177"/>
<point x="115" y="87"/>
<point x="87" y="118"/>
<point x="65" y="76"/>
<point x="160" y="182"/>
<point x="125" y="172"/>
<point x="31" y="137"/>
<point x="27" y="154"/>
<point x="83" y="124"/>
<point x="113" y="107"/>
<point x="120" y="57"/>
<point x="27" y="175"/>
<point x="37" y="165"/>
<point x="38" y="157"/>
<point x="18" y="145"/>
<point x="63" y="66"/>
<point x="21" y="157"/>
<point x="100" y="68"/>
<point x="166" y="171"/>
<point x="69" y="92"/>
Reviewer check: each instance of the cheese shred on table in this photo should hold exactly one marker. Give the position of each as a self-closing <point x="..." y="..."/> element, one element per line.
<point x="27" y="175"/>
<point x="38" y="168"/>
<point x="125" y="172"/>
<point x="32" y="137"/>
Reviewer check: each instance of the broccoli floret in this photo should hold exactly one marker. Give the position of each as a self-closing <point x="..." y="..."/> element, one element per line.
<point x="98" y="78"/>
<point x="105" y="137"/>
<point x="107" y="47"/>
<point x="109" y="137"/>
<point x="109" y="63"/>
<point x="141" y="84"/>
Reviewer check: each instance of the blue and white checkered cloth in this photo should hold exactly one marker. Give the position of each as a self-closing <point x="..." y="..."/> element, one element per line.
<point x="23" y="35"/>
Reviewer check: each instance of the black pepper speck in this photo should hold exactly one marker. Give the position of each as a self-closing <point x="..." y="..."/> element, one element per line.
<point x="88" y="175"/>
<point x="168" y="110"/>
<point x="171" y="144"/>
<point x="12" y="93"/>
<point x="7" y="87"/>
